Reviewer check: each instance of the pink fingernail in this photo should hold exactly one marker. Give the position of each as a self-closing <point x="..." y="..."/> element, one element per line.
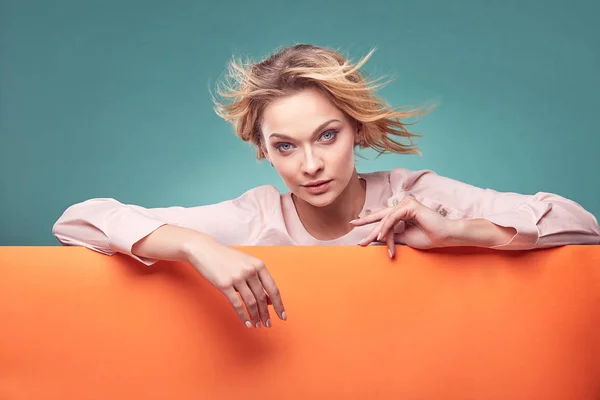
<point x="390" y="252"/>
<point x="248" y="324"/>
<point x="354" y="220"/>
<point x="268" y="324"/>
<point x="258" y="324"/>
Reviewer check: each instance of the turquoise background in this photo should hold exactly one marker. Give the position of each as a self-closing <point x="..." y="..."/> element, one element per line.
<point x="111" y="98"/>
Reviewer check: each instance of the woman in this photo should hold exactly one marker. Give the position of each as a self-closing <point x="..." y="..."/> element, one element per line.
<point x="306" y="109"/>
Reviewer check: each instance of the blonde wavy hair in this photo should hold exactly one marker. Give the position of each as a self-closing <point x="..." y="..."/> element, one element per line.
<point x="249" y="87"/>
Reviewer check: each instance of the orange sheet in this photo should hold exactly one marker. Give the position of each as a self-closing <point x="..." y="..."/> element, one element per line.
<point x="445" y="324"/>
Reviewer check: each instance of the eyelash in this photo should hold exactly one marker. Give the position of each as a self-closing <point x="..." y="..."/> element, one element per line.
<point x="334" y="132"/>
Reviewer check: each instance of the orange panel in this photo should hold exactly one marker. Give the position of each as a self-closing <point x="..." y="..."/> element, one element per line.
<point x="444" y="324"/>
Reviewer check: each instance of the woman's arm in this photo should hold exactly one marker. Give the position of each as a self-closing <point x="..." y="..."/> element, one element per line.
<point x="108" y="226"/>
<point x="479" y="233"/>
<point x="521" y="221"/>
<point x="169" y="243"/>
<point x="198" y="235"/>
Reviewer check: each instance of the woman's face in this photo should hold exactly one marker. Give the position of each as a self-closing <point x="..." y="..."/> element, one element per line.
<point x="310" y="143"/>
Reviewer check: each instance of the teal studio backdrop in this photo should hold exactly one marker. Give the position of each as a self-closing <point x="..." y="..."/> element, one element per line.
<point x="111" y="98"/>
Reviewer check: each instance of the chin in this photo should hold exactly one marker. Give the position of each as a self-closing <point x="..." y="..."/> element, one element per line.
<point x="321" y="200"/>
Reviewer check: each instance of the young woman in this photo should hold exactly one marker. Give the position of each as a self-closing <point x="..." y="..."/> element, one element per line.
<point x="306" y="109"/>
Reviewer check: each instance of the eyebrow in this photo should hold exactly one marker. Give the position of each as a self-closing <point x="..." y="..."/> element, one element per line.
<point x="323" y="125"/>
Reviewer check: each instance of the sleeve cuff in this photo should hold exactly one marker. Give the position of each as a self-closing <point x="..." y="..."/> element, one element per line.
<point x="138" y="227"/>
<point x="524" y="219"/>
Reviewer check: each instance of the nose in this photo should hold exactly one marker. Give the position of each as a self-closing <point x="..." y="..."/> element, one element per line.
<point x="312" y="163"/>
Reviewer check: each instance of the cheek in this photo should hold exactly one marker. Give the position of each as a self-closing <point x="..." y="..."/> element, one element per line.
<point x="286" y="170"/>
<point x="344" y="154"/>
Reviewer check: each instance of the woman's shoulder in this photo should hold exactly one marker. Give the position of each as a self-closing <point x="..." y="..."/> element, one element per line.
<point x="263" y="196"/>
<point x="398" y="178"/>
<point x="261" y="192"/>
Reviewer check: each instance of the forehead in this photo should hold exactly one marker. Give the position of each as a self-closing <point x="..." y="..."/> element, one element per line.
<point x="299" y="114"/>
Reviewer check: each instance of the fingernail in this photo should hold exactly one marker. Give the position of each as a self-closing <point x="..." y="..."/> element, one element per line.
<point x="361" y="242"/>
<point x="379" y="236"/>
<point x="390" y="253"/>
<point x="283" y="316"/>
<point x="354" y="220"/>
<point x="258" y="324"/>
<point x="248" y="324"/>
<point x="268" y="324"/>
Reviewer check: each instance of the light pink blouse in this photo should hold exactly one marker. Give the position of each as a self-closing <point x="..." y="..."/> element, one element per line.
<point x="263" y="216"/>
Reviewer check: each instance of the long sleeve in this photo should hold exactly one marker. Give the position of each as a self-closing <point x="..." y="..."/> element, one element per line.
<point x="541" y="220"/>
<point x="108" y="226"/>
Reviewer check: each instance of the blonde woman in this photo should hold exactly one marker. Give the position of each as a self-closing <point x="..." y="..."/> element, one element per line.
<point x="306" y="109"/>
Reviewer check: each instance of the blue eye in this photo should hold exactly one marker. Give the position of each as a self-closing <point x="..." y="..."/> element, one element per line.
<point x="280" y="146"/>
<point x="329" y="135"/>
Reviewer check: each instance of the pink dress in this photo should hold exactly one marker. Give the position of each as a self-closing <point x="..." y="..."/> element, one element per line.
<point x="263" y="216"/>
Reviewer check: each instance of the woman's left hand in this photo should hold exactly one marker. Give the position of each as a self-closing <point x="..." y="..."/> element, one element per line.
<point x="424" y="228"/>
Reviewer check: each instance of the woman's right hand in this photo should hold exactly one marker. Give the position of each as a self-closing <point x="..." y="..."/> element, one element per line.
<point x="234" y="272"/>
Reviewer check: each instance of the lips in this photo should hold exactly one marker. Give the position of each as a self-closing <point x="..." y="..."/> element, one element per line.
<point x="318" y="187"/>
<point x="316" y="183"/>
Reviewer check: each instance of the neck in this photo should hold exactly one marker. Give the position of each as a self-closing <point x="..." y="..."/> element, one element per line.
<point x="332" y="221"/>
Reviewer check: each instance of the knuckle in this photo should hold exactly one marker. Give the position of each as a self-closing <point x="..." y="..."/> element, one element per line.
<point x="224" y="284"/>
<point x="276" y="292"/>
<point x="240" y="311"/>
<point x="238" y="307"/>
<point x="262" y="299"/>
<point x="259" y="265"/>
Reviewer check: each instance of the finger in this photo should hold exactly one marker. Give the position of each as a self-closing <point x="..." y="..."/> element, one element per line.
<point x="261" y="299"/>
<point x="391" y="244"/>
<point x="371" y="236"/>
<point x="238" y="306"/>
<point x="272" y="291"/>
<point x="389" y="222"/>
<point x="250" y="302"/>
<point x="369" y="219"/>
